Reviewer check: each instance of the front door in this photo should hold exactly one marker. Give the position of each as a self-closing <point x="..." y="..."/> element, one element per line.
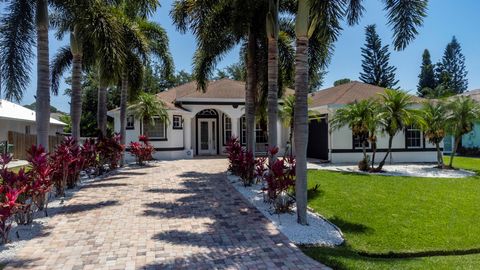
<point x="207" y="137"/>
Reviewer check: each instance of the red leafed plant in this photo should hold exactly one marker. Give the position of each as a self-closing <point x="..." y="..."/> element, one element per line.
<point x="280" y="179"/>
<point x="143" y="150"/>
<point x="40" y="173"/>
<point x="247" y="168"/>
<point x="63" y="160"/>
<point x="234" y="152"/>
<point x="89" y="154"/>
<point x="110" y="151"/>
<point x="9" y="196"/>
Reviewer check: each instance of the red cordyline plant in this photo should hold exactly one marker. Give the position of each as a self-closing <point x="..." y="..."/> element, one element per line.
<point x="63" y="160"/>
<point x="280" y="179"/>
<point x="10" y="189"/>
<point x="90" y="155"/>
<point x="143" y="150"/>
<point x="110" y="151"/>
<point x="234" y="152"/>
<point x="40" y="173"/>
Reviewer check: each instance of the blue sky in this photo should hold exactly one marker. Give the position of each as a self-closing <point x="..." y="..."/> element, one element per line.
<point x="445" y="19"/>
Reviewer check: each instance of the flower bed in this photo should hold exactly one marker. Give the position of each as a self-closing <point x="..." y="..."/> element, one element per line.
<point x="268" y="183"/>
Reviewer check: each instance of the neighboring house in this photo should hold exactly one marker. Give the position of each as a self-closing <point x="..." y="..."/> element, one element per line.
<point x="471" y="139"/>
<point x="17" y="122"/>
<point x="200" y="123"/>
<point x="341" y="146"/>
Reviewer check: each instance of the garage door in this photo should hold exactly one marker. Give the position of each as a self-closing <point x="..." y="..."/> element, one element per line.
<point x="318" y="139"/>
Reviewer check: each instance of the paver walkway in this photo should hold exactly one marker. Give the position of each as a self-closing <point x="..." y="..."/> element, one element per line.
<point x="178" y="214"/>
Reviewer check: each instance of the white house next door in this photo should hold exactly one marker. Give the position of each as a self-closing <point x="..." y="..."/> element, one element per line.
<point x="207" y="136"/>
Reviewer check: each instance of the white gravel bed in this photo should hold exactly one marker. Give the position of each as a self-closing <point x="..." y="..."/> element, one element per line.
<point x="417" y="170"/>
<point x="21" y="234"/>
<point x="319" y="231"/>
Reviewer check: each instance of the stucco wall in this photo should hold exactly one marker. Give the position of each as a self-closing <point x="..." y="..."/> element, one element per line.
<point x="472" y="139"/>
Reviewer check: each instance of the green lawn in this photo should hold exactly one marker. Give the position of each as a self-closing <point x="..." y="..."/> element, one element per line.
<point x="400" y="217"/>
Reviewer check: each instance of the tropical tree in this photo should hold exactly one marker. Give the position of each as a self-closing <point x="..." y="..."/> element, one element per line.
<point x="426" y="79"/>
<point x="25" y="25"/>
<point x="463" y="113"/>
<point x="397" y="113"/>
<point x="143" y="40"/>
<point x="440" y="91"/>
<point x="148" y="107"/>
<point x="451" y="70"/>
<point x="322" y="19"/>
<point x="357" y="116"/>
<point x="433" y="123"/>
<point x="375" y="64"/>
<point x="96" y="41"/>
<point x="287" y="114"/>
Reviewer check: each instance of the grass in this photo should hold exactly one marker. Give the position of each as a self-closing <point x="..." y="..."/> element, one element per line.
<point x="410" y="222"/>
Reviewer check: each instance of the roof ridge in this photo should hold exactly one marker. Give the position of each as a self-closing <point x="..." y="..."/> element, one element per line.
<point x="346" y="91"/>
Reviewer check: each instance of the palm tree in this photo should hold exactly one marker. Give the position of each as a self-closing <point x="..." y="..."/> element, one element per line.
<point x="23" y="21"/>
<point x="319" y="21"/>
<point x="433" y="124"/>
<point x="148" y="108"/>
<point x="144" y="39"/>
<point x="287" y="114"/>
<point x="358" y="117"/>
<point x="96" y="40"/>
<point x="463" y="113"/>
<point x="272" y="29"/>
<point x="396" y="114"/>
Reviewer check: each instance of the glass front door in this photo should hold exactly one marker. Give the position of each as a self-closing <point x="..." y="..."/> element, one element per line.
<point x="207" y="135"/>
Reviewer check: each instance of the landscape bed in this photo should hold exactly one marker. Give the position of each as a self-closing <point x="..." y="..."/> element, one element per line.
<point x="392" y="222"/>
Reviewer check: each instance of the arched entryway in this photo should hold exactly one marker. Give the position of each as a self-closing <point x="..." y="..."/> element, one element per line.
<point x="207" y="132"/>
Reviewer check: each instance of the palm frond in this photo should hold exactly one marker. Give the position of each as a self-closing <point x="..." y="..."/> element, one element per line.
<point x="60" y="63"/>
<point x="17" y="37"/>
<point x="405" y="17"/>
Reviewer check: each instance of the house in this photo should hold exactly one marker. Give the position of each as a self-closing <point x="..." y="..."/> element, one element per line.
<point x="200" y="123"/>
<point x="18" y="127"/>
<point x="340" y="145"/>
<point x="470" y="140"/>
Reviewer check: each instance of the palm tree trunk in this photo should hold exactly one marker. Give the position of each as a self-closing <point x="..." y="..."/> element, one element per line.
<point x="364" y="149"/>
<point x="374" y="152"/>
<point x="454" y="151"/>
<point x="439" y="155"/>
<point x="272" y="97"/>
<point x="123" y="112"/>
<point x="102" y="109"/>
<point x="76" y="99"/>
<point x="43" y="75"/>
<point x="301" y="110"/>
<point x="251" y="86"/>
<point x="382" y="163"/>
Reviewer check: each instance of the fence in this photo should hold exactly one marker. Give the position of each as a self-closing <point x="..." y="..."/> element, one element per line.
<point x="21" y="142"/>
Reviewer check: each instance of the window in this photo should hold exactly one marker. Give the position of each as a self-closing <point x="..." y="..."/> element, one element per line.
<point x="413" y="137"/>
<point x="260" y="134"/>
<point x="358" y="140"/>
<point x="227" y="129"/>
<point x="130" y="122"/>
<point x="177" y="122"/>
<point x="27" y="130"/>
<point x="156" y="130"/>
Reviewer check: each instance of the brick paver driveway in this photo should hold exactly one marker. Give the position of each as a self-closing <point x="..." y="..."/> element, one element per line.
<point x="177" y="214"/>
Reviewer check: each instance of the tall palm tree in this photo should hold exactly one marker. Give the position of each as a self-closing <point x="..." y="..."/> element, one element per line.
<point x="433" y="123"/>
<point x="272" y="30"/>
<point x="463" y="113"/>
<point x="23" y="21"/>
<point x="358" y="117"/>
<point x="144" y="40"/>
<point x="397" y="114"/>
<point x="96" y="40"/>
<point x="319" y="21"/>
